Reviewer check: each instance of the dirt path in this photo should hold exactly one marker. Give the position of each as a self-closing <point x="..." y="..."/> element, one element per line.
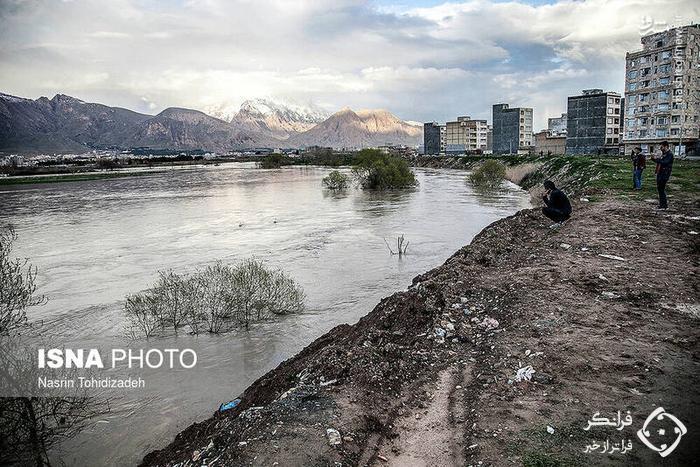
<point x="603" y="310"/>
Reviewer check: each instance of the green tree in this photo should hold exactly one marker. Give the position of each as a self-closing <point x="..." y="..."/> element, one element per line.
<point x="336" y="180"/>
<point x="376" y="170"/>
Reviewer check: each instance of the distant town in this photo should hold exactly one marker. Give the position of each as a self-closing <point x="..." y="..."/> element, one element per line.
<point x="661" y="102"/>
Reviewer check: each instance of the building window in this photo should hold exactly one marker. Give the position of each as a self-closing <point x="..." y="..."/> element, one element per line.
<point x="610" y="120"/>
<point x="661" y="133"/>
<point x="662" y="107"/>
<point x="610" y="110"/>
<point x="632" y="87"/>
<point x="665" y="54"/>
<point x="610" y="100"/>
<point x="664" y="81"/>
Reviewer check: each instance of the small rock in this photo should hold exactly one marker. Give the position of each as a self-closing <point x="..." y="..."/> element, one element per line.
<point x="550" y="430"/>
<point x="565" y="246"/>
<point x="334" y="437"/>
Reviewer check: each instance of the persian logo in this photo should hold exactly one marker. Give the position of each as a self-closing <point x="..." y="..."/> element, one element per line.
<point x="659" y="414"/>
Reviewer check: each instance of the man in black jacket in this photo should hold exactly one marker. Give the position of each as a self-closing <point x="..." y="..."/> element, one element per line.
<point x="558" y="207"/>
<point x="664" y="164"/>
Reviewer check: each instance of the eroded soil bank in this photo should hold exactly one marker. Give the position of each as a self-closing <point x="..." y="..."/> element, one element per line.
<point x="429" y="376"/>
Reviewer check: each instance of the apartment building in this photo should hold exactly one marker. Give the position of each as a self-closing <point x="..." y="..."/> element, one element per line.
<point x="557" y="125"/>
<point x="662" y="91"/>
<point x="512" y="129"/>
<point x="466" y="135"/>
<point x="593" y="122"/>
<point x="433" y="138"/>
<point x="548" y="142"/>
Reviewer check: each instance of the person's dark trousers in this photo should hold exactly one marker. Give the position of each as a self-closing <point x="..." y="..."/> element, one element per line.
<point x="661" y="180"/>
<point x="637" y="179"/>
<point x="557" y="215"/>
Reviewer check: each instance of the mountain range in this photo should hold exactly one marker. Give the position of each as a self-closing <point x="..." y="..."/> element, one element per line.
<point x="66" y="124"/>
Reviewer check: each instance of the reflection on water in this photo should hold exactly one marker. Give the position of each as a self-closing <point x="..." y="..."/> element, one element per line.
<point x="96" y="241"/>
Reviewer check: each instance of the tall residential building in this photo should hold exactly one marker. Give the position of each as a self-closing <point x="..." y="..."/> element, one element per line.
<point x="593" y="123"/>
<point x="557" y="125"/>
<point x="512" y="129"/>
<point x="431" y="138"/>
<point x="466" y="135"/>
<point x="662" y="91"/>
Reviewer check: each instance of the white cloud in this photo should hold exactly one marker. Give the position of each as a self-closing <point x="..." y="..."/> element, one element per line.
<point x="422" y="63"/>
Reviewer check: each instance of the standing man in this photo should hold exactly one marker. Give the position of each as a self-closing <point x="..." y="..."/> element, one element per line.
<point x="664" y="164"/>
<point x="639" y="162"/>
<point x="558" y="207"/>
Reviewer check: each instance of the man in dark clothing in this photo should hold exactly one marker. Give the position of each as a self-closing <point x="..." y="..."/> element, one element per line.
<point x="664" y="164"/>
<point x="558" y="207"/>
<point x="639" y="163"/>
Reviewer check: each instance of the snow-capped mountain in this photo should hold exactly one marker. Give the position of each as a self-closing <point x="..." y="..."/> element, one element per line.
<point x="270" y="117"/>
<point x="67" y="124"/>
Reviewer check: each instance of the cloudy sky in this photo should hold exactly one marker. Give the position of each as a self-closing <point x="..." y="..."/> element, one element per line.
<point x="421" y="59"/>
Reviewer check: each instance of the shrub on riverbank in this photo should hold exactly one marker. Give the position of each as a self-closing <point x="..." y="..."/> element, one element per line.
<point x="378" y="171"/>
<point x="336" y="180"/>
<point x="490" y="174"/>
<point x="215" y="299"/>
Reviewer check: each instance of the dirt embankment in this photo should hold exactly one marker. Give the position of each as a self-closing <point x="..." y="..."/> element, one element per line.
<point x="429" y="376"/>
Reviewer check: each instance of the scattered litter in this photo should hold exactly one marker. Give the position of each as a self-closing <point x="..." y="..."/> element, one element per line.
<point x="472" y="446"/>
<point x="610" y="295"/>
<point x="328" y="383"/>
<point x="585" y="200"/>
<point x="242" y="443"/>
<point x="616" y="258"/>
<point x="525" y="373"/>
<point x="382" y="458"/>
<point x="550" y="430"/>
<point x="602" y="277"/>
<point x="565" y="246"/>
<point x="229" y="405"/>
<point x="463" y="299"/>
<point x="692" y="232"/>
<point x="333" y="435"/>
<point x="527" y="352"/>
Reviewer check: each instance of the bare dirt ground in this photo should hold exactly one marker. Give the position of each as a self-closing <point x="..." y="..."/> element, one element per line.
<point x="428" y="378"/>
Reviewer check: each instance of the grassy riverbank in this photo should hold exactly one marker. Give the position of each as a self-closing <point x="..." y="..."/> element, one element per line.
<point x="604" y="310"/>
<point x="72" y="177"/>
<point x="594" y="175"/>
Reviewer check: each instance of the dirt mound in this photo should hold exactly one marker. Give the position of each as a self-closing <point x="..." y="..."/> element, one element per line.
<point x="498" y="356"/>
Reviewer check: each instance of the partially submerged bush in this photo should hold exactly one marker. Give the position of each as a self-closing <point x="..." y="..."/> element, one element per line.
<point x="275" y="161"/>
<point x="215" y="299"/>
<point x="490" y="174"/>
<point x="336" y="180"/>
<point x="379" y="171"/>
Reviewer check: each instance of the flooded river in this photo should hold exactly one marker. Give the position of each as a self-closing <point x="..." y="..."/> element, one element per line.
<point x="94" y="242"/>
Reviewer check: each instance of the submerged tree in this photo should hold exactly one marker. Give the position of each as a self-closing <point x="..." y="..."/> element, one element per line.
<point x="17" y="285"/>
<point x="376" y="170"/>
<point x="336" y="180"/>
<point x="29" y="423"/>
<point x="215" y="299"/>
<point x="490" y="174"/>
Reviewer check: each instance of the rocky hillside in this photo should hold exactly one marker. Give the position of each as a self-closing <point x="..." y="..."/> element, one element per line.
<point x="348" y="129"/>
<point x="66" y="124"/>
